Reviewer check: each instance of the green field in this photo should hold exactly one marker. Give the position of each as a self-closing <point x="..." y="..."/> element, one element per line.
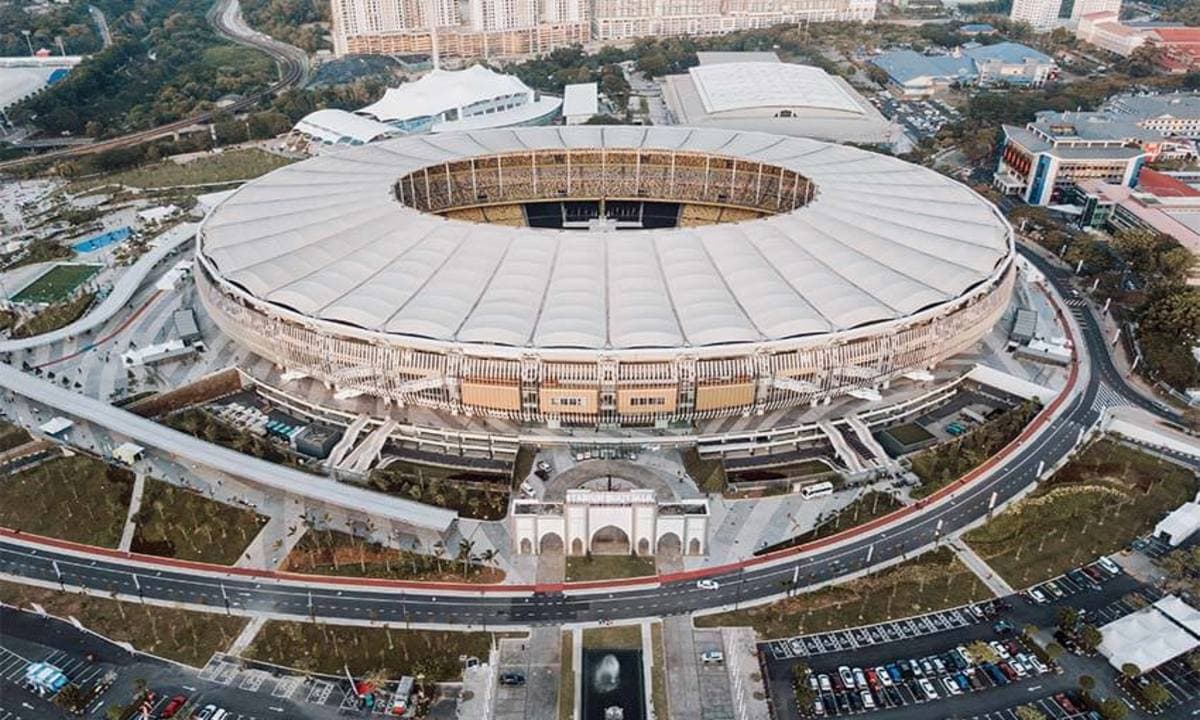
<point x="392" y="651"/>
<point x="1093" y="506"/>
<point x="56" y="283"/>
<point x="581" y="568"/>
<point x="54" y="317"/>
<point x="74" y="498"/>
<point x="207" y="170"/>
<point x="174" y="522"/>
<point x="933" y="581"/>
<point x="186" y="636"/>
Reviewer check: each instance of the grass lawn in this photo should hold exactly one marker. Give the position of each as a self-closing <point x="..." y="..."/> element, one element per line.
<point x="12" y="436"/>
<point x="613" y="637"/>
<point x="566" y="680"/>
<point x="658" y="672"/>
<point x="933" y="581"/>
<point x="1093" y="506"/>
<point x="211" y="169"/>
<point x="41" y="251"/>
<point x="366" y="650"/>
<point x="200" y="424"/>
<point x="943" y="464"/>
<point x="186" y="636"/>
<point x="329" y="552"/>
<point x="607" y="567"/>
<point x="474" y="495"/>
<point x="56" y="283"/>
<point x="909" y="434"/>
<point x="709" y="475"/>
<point x="74" y="498"/>
<point x="54" y="317"/>
<point x="174" y="522"/>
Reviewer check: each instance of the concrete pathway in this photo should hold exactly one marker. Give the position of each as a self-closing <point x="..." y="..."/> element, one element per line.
<point x="135" y="506"/>
<point x="271" y="546"/>
<point x="979" y="566"/>
<point x="745" y="677"/>
<point x="539" y="658"/>
<point x="242" y="642"/>
<point x="683" y="682"/>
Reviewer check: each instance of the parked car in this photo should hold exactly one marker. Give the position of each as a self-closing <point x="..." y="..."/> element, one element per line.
<point x="512" y="678"/>
<point x="173" y="705"/>
<point x="824" y="684"/>
<point x="709" y="657"/>
<point x="1038" y="596"/>
<point x="847" y="676"/>
<point x="928" y="689"/>
<point x="867" y="700"/>
<point x="1109" y="566"/>
<point x="951" y="686"/>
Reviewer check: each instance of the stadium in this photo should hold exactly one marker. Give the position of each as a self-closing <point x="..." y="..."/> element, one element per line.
<point x="615" y="276"/>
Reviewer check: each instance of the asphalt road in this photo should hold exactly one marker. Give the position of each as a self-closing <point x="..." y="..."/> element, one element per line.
<point x="290" y="597"/>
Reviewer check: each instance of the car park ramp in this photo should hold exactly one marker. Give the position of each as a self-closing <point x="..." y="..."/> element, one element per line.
<point x="347" y="442"/>
<point x="844" y="452"/>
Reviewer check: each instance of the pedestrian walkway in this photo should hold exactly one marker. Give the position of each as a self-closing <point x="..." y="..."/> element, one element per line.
<point x="244" y="639"/>
<point x="683" y="682"/>
<point x="271" y="546"/>
<point x="135" y="506"/>
<point x="979" y="566"/>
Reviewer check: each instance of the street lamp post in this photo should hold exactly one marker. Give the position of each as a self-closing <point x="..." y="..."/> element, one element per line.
<point x="28" y="42"/>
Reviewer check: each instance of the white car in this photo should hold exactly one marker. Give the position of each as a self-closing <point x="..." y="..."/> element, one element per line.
<point x="823" y="681"/>
<point x="884" y="678"/>
<point x="931" y="693"/>
<point x="1038" y="596"/>
<point x="1109" y="565"/>
<point x="1000" y="649"/>
<point x="847" y="677"/>
<point x="951" y="686"/>
<point x="709" y="657"/>
<point x="707" y="584"/>
<point x="868" y="700"/>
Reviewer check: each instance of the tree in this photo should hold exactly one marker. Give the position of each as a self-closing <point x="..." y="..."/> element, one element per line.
<point x="1029" y="712"/>
<point x="1054" y="651"/>
<point x="1090" y="638"/>
<point x="981" y="652"/>
<point x="1156" y="694"/>
<point x="1087" y="683"/>
<point x="1113" y="709"/>
<point x="1130" y="671"/>
<point x="465" y="547"/>
<point x="1066" y="617"/>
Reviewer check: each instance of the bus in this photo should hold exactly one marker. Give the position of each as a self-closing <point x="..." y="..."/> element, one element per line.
<point x="816" y="490"/>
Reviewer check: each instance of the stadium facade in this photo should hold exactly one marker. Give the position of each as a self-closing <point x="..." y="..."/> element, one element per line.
<point x="605" y="275"/>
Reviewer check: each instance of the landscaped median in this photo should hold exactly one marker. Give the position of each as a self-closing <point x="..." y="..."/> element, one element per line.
<point x="328" y="552"/>
<point x="933" y="581"/>
<point x="1095" y="505"/>
<point x="186" y="636"/>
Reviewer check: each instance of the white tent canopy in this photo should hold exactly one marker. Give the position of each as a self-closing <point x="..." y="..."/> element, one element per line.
<point x="1152" y="636"/>
<point x="1182" y="523"/>
<point x="442" y="90"/>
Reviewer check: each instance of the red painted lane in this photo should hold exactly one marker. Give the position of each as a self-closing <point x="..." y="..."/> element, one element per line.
<point x="100" y="341"/>
<point x="481" y="588"/>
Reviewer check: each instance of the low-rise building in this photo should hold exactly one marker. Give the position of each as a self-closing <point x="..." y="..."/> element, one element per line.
<point x="1057" y="150"/>
<point x="914" y="74"/>
<point x="581" y="102"/>
<point x="1171" y="115"/>
<point x="333" y="128"/>
<point x="761" y="93"/>
<point x="1177" y="47"/>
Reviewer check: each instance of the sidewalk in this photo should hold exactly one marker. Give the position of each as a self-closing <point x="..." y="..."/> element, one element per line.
<point x="135" y="506"/>
<point x="979" y="566"/>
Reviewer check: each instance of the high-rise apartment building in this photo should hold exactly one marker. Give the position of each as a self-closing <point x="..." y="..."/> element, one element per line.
<point x="1042" y="15"/>
<point x="616" y="19"/>
<point x="1087" y="7"/>
<point x="489" y="27"/>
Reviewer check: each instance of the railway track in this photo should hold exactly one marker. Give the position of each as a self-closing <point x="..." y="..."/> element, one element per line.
<point x="225" y="18"/>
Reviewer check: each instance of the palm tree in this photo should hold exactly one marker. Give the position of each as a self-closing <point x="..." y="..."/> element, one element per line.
<point x="465" y="547"/>
<point x="490" y="556"/>
<point x="439" y="550"/>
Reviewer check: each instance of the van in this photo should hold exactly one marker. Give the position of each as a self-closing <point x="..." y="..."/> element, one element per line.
<point x="1109" y="566"/>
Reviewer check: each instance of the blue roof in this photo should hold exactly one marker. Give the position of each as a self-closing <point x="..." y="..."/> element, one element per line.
<point x="977" y="28"/>
<point x="1007" y="52"/>
<point x="904" y="66"/>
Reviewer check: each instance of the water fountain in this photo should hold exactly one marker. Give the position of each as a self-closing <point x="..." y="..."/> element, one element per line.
<point x="613" y="687"/>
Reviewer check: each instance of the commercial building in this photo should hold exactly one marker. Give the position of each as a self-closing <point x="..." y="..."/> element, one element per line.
<point x="1171" y="115"/>
<point x="1042" y="15"/>
<point x="913" y="74"/>
<point x="488" y="27"/>
<point x="1089" y="7"/>
<point x="769" y="272"/>
<point x="1056" y="150"/>
<point x="618" y="19"/>
<point x="471" y="99"/>
<point x="581" y="102"/>
<point x="1177" y="47"/>
<point x="1158" y="203"/>
<point x="764" y="94"/>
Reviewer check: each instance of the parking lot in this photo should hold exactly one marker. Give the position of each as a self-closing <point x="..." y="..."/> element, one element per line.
<point x="1123" y="606"/>
<point x="920" y="118"/>
<point x="1053" y="707"/>
<point x="839" y="641"/>
<point x="1180" y="680"/>
<point x="909" y="681"/>
<point x="1083" y="579"/>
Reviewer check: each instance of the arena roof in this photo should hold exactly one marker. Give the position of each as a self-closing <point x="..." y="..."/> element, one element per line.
<point x="338" y="127"/>
<point x="442" y="90"/>
<point x="881" y="240"/>
<point x="724" y="86"/>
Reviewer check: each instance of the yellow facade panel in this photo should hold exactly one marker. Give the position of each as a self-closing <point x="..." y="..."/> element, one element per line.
<point x="642" y="400"/>
<point x="492" y="396"/>
<point x="717" y="397"/>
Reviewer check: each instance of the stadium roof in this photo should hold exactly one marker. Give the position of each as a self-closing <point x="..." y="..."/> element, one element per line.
<point x="716" y="57"/>
<point x="338" y="127"/>
<point x="725" y="86"/>
<point x="442" y="90"/>
<point x="881" y="240"/>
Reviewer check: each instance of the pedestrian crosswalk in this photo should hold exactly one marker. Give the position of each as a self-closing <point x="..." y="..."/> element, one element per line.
<point x="1106" y="397"/>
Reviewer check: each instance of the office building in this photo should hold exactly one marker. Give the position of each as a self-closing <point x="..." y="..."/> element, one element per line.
<point x="1088" y="7"/>
<point x="617" y="19"/>
<point x="1042" y="15"/>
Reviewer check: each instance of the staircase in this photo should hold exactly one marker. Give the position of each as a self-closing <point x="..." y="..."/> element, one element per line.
<point x="871" y="444"/>
<point x="848" y="457"/>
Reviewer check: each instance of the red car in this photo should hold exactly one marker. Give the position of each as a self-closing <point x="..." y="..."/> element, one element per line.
<point x="1065" y="703"/>
<point x="1007" y="670"/>
<point x="872" y="680"/>
<point x="173" y="706"/>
